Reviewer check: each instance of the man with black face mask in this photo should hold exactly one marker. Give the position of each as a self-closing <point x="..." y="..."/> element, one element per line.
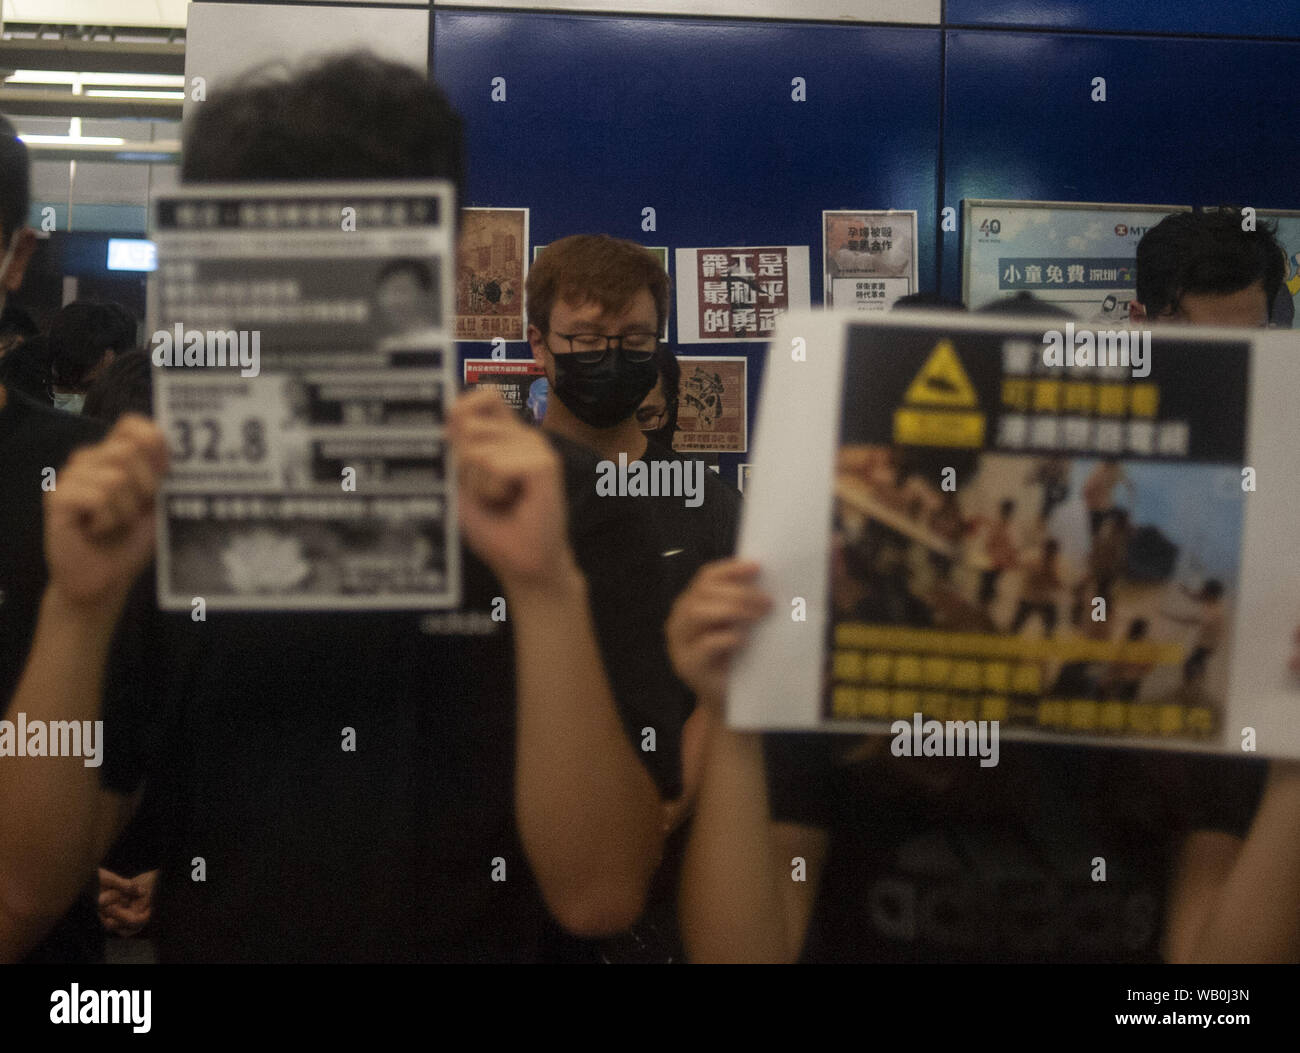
<point x="596" y="305"/>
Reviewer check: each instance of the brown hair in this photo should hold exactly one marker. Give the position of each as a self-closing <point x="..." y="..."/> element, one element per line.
<point x="594" y="267"/>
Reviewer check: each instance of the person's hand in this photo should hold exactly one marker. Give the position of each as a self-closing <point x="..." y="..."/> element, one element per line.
<point x="99" y="529"/>
<point x="511" y="492"/>
<point x="125" y="905"/>
<point x="709" y="623"/>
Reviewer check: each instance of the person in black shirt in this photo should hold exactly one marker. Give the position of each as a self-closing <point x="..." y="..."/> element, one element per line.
<point x="35" y="441"/>
<point x="808" y="847"/>
<point x="596" y="305"/>
<point x="495" y="775"/>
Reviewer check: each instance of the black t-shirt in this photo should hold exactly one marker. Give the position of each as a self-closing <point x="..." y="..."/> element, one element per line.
<point x="1000" y="864"/>
<point x="33" y="438"/>
<point x="308" y="852"/>
<point x="693" y="536"/>
<point x="687" y="538"/>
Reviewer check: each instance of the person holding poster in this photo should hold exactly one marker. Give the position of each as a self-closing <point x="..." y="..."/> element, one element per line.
<point x="351" y="786"/>
<point x="814" y="847"/>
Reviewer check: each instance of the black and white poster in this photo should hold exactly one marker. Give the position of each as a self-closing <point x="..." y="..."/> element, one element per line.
<point x="304" y="358"/>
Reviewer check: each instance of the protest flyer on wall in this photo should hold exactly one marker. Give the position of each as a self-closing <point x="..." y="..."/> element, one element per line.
<point x="712" y="413"/>
<point x="660" y="253"/>
<point x="490" y="274"/>
<point x="520" y="382"/>
<point x="968" y="519"/>
<point x="729" y="295"/>
<point x="304" y="366"/>
<point x="1078" y="255"/>
<point x="868" y="258"/>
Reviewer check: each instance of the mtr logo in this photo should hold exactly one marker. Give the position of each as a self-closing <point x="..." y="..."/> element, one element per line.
<point x="1124" y="230"/>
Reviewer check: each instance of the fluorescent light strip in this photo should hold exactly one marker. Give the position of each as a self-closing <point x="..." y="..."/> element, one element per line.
<point x="146" y="80"/>
<point x="107" y="93"/>
<point x="72" y="140"/>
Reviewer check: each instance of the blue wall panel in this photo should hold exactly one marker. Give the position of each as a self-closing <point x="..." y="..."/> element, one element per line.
<point x="1199" y="122"/>
<point x="604" y="116"/>
<point x="1265" y="18"/>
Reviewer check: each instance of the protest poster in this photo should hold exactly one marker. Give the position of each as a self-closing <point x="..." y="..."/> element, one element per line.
<point x="968" y="519"/>
<point x="731" y="295"/>
<point x="304" y="366"/>
<point x="868" y="258"/>
<point x="1078" y="255"/>
<point x="492" y="267"/>
<point x="521" y="383"/>
<point x="712" y="410"/>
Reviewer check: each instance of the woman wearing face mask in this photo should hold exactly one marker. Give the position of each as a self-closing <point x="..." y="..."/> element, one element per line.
<point x="84" y="339"/>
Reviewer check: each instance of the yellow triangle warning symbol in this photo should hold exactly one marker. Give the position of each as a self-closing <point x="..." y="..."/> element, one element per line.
<point x="942" y="381"/>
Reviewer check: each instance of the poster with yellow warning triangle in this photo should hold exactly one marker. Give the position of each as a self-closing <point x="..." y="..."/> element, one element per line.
<point x="939" y="405"/>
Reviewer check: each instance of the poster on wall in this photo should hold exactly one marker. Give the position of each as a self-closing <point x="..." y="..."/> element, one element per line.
<point x="1080" y="256"/>
<point x="712" y="409"/>
<point x="660" y="253"/>
<point x="986" y="532"/>
<point x="731" y="295"/>
<point x="868" y="258"/>
<point x="521" y="383"/>
<point x="490" y="276"/>
<point x="302" y="375"/>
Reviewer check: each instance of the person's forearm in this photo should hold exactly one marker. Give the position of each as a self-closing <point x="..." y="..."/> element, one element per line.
<point x="50" y="806"/>
<point x="1256" y="917"/>
<point x="590" y="816"/>
<point x="732" y="909"/>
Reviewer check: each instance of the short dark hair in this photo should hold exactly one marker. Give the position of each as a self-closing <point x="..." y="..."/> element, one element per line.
<point x="596" y="268"/>
<point x="1206" y="252"/>
<point x="1026" y="305"/>
<point x="79" y="336"/>
<point x="126" y="386"/>
<point x="349" y="116"/>
<point x="15" y="181"/>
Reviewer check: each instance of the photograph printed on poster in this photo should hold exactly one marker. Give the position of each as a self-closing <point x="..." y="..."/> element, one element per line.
<point x="868" y="258"/>
<point x="521" y="383"/>
<point x="1050" y="548"/>
<point x="712" y="414"/>
<point x="491" y="273"/>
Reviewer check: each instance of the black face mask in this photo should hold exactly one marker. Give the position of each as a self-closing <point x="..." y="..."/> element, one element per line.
<point x="606" y="393"/>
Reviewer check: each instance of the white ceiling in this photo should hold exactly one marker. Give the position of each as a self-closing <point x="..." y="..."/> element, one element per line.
<point x="169" y="13"/>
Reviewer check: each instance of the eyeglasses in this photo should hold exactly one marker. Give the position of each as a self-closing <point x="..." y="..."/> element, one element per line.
<point x="651" y="418"/>
<point x="591" y="348"/>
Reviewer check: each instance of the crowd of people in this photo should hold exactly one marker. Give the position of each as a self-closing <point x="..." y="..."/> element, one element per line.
<point x="560" y="786"/>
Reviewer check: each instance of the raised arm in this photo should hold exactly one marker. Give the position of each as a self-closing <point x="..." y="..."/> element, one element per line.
<point x="1239" y="901"/>
<point x="738" y="902"/>
<point x="589" y="814"/>
<point x="56" y="821"/>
